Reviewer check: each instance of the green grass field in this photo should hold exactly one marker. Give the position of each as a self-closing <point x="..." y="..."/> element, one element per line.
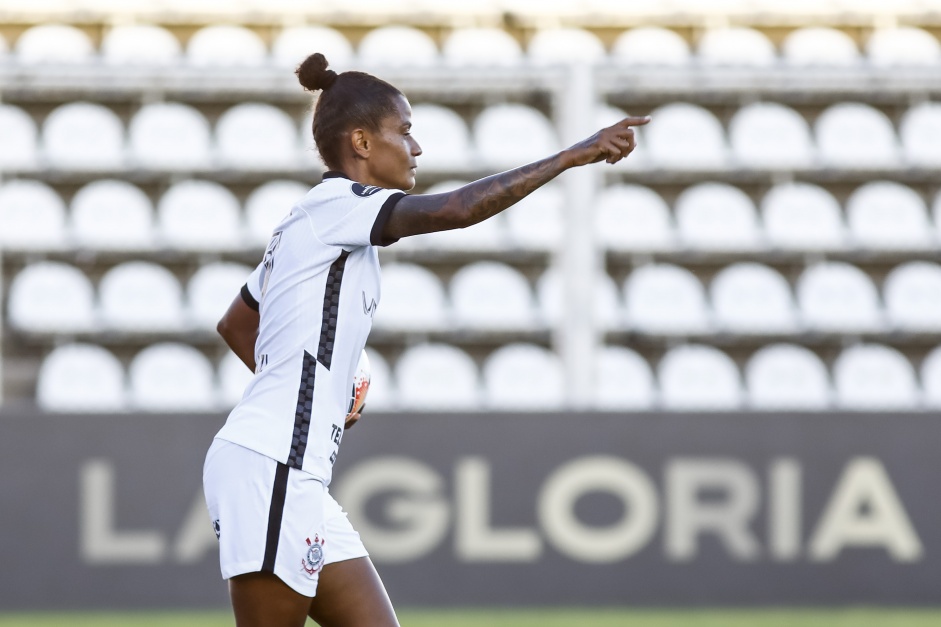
<point x="860" y="617"/>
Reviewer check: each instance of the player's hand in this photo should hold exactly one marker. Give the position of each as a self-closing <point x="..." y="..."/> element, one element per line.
<point x="610" y="144"/>
<point x="352" y="419"/>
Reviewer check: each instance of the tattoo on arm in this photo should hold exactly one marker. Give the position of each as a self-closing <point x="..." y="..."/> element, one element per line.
<point x="472" y="203"/>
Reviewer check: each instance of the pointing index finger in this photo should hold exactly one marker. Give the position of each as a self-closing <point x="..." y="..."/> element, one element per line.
<point x="634" y="120"/>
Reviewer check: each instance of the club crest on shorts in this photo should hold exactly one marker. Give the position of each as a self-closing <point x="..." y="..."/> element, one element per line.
<point x="313" y="561"/>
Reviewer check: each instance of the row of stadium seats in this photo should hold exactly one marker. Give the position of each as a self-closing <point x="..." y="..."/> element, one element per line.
<point x="164" y="136"/>
<point x="688" y="377"/>
<point x="116" y="215"/>
<point x="878" y="216"/>
<point x="162" y="377"/>
<point x="744" y="298"/>
<point x="53" y="297"/>
<point x="198" y="215"/>
<point x="769" y="135"/>
<point x="515" y="377"/>
<point x="227" y="45"/>
<point x="766" y="135"/>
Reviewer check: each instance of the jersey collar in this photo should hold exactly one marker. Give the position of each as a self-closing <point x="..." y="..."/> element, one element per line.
<point x="334" y="174"/>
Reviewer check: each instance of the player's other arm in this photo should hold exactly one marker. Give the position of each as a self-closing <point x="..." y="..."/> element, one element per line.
<point x="239" y="328"/>
<point x="489" y="196"/>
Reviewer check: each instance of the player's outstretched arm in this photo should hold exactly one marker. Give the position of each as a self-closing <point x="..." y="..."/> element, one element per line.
<point x="477" y="201"/>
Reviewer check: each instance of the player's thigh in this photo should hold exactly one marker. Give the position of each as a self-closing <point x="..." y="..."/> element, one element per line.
<point x="264" y="600"/>
<point x="350" y="594"/>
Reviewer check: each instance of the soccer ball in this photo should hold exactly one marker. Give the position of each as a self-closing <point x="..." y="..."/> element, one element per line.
<point x="360" y="384"/>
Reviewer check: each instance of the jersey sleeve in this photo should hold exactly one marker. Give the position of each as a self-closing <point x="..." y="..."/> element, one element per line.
<point x="251" y="291"/>
<point x="367" y="210"/>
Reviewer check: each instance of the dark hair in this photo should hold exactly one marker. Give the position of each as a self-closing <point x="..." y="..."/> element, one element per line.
<point x="349" y="100"/>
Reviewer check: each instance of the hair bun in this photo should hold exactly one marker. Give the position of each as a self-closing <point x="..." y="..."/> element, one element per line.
<point x="313" y="73"/>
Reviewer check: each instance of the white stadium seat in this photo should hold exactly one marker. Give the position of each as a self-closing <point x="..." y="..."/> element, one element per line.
<point x="931" y="379"/>
<point x="912" y="294"/>
<point x="171" y="377"/>
<point x="413" y="299"/>
<point x="140" y="44"/>
<point x="486" y="236"/>
<point x="801" y="216"/>
<point x="885" y="215"/>
<point x="749" y="297"/>
<point x="139" y="296"/>
<point x="267" y="205"/>
<point x="665" y="299"/>
<point x="19" y="148"/>
<point x="651" y="45"/>
<point x="436" y="377"/>
<point x="870" y="377"/>
<point x="83" y="136"/>
<point x="225" y="46"/>
<point x="54" y="43"/>
<point x="257" y="136"/>
<point x="199" y="215"/>
<point x="511" y="135"/>
<point x="698" y="378"/>
<point x="537" y="221"/>
<point x="770" y="135"/>
<point x="716" y="216"/>
<point x="904" y="46"/>
<point x="605" y="307"/>
<point x="234" y="377"/>
<point x="295" y="43"/>
<point x="838" y="297"/>
<point x="819" y="46"/>
<point x="856" y="135"/>
<point x="623" y="381"/>
<point x="401" y="46"/>
<point x="492" y="296"/>
<point x="113" y="215"/>
<point x="470" y="47"/>
<point x="51" y="297"/>
<point x="523" y="377"/>
<point x="736" y="46"/>
<point x="169" y="136"/>
<point x="920" y="134"/>
<point x="786" y="377"/>
<point x="685" y="136"/>
<point x="565" y="45"/>
<point x="633" y="218"/>
<point x="81" y="378"/>
<point x="382" y="394"/>
<point x="444" y="138"/>
<point x="32" y="216"/>
<point x="211" y="290"/>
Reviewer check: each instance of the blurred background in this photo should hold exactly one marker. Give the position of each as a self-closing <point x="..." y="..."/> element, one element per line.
<point x="741" y="319"/>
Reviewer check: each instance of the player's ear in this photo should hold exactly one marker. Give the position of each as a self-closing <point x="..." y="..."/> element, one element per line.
<point x="360" y="142"/>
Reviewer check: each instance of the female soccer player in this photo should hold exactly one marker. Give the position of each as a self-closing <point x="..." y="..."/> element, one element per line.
<point x="300" y="324"/>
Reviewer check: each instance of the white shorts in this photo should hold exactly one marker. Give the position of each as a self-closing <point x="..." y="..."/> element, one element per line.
<point x="272" y="518"/>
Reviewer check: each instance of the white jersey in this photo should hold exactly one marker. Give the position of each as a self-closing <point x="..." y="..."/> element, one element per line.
<point x="317" y="289"/>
